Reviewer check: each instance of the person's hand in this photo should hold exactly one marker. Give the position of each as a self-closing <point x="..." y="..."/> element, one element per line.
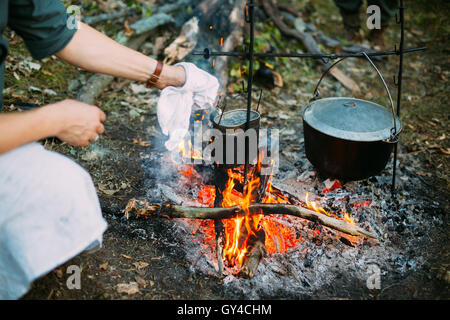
<point x="176" y="103"/>
<point x="203" y="85"/>
<point x="174" y="76"/>
<point x="76" y="123"/>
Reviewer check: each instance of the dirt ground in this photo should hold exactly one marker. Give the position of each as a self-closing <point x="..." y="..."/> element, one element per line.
<point x="132" y="251"/>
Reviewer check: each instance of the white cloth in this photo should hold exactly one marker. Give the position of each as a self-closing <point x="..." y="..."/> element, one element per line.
<point x="175" y="104"/>
<point x="49" y="213"/>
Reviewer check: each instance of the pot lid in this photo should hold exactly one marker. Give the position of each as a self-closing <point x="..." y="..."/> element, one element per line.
<point x="351" y="119"/>
<point x="235" y="118"/>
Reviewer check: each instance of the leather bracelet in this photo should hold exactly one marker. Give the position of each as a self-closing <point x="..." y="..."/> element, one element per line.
<point x="155" y="76"/>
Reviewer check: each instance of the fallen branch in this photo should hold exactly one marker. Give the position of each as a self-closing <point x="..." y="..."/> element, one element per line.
<point x="171" y="211"/>
<point x="92" y="20"/>
<point x="147" y="24"/>
<point x="309" y="42"/>
<point x="292" y="16"/>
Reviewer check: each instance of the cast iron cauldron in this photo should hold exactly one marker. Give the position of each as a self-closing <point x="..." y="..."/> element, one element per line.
<point x="348" y="138"/>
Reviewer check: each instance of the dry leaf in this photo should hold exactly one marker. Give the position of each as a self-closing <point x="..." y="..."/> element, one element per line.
<point x="138" y="88"/>
<point x="48" y="73"/>
<point x="184" y="43"/>
<point x="127" y="30"/>
<point x="125" y="256"/>
<point x="278" y="80"/>
<point x="128" y="288"/>
<point x="141" y="143"/>
<point x="106" y="191"/>
<point x="103" y="266"/>
<point x="141" y="282"/>
<point x="140" y="264"/>
<point x="58" y="272"/>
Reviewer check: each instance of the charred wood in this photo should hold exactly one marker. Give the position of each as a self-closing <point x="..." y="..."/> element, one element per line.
<point x="257" y="251"/>
<point x="143" y="208"/>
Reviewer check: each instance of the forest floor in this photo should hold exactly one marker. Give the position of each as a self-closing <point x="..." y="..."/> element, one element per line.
<point x="116" y="161"/>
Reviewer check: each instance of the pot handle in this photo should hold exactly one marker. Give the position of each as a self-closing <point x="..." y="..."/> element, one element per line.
<point x="394" y="135"/>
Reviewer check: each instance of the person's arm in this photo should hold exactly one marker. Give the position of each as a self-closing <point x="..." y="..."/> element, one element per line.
<point x="71" y="121"/>
<point x="91" y="50"/>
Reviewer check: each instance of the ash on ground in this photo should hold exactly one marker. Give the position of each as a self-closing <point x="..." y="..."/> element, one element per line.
<point x="411" y="226"/>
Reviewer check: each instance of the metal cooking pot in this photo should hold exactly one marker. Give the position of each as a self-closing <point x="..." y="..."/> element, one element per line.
<point x="348" y="138"/>
<point x="231" y="124"/>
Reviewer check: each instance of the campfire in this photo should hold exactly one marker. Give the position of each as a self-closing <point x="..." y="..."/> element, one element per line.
<point x="242" y="214"/>
<point x="242" y="209"/>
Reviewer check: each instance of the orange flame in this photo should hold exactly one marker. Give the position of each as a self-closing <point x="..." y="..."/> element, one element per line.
<point x="235" y="248"/>
<point x="313" y="206"/>
<point x="188" y="151"/>
<point x="238" y="231"/>
<point x="278" y="237"/>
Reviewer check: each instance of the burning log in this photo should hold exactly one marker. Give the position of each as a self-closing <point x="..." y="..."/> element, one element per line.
<point x="143" y="208"/>
<point x="256" y="252"/>
<point x="220" y="242"/>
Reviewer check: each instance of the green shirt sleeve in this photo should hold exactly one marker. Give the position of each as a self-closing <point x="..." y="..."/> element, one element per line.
<point x="42" y="24"/>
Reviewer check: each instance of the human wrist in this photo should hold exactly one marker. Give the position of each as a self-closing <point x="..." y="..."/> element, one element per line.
<point x="174" y="76"/>
<point x="52" y="118"/>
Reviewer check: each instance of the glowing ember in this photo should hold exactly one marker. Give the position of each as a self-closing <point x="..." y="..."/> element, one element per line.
<point x="207" y="195"/>
<point x="336" y="185"/>
<point x="238" y="231"/>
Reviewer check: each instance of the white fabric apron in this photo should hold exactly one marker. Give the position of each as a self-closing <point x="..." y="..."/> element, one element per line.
<point x="49" y="213"/>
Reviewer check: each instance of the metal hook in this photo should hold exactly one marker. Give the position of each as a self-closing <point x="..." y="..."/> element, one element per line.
<point x="243" y="87"/>
<point x="259" y="100"/>
<point x="223" y="110"/>
<point x="206" y="54"/>
<point x="394" y="136"/>
<point x="219" y="102"/>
